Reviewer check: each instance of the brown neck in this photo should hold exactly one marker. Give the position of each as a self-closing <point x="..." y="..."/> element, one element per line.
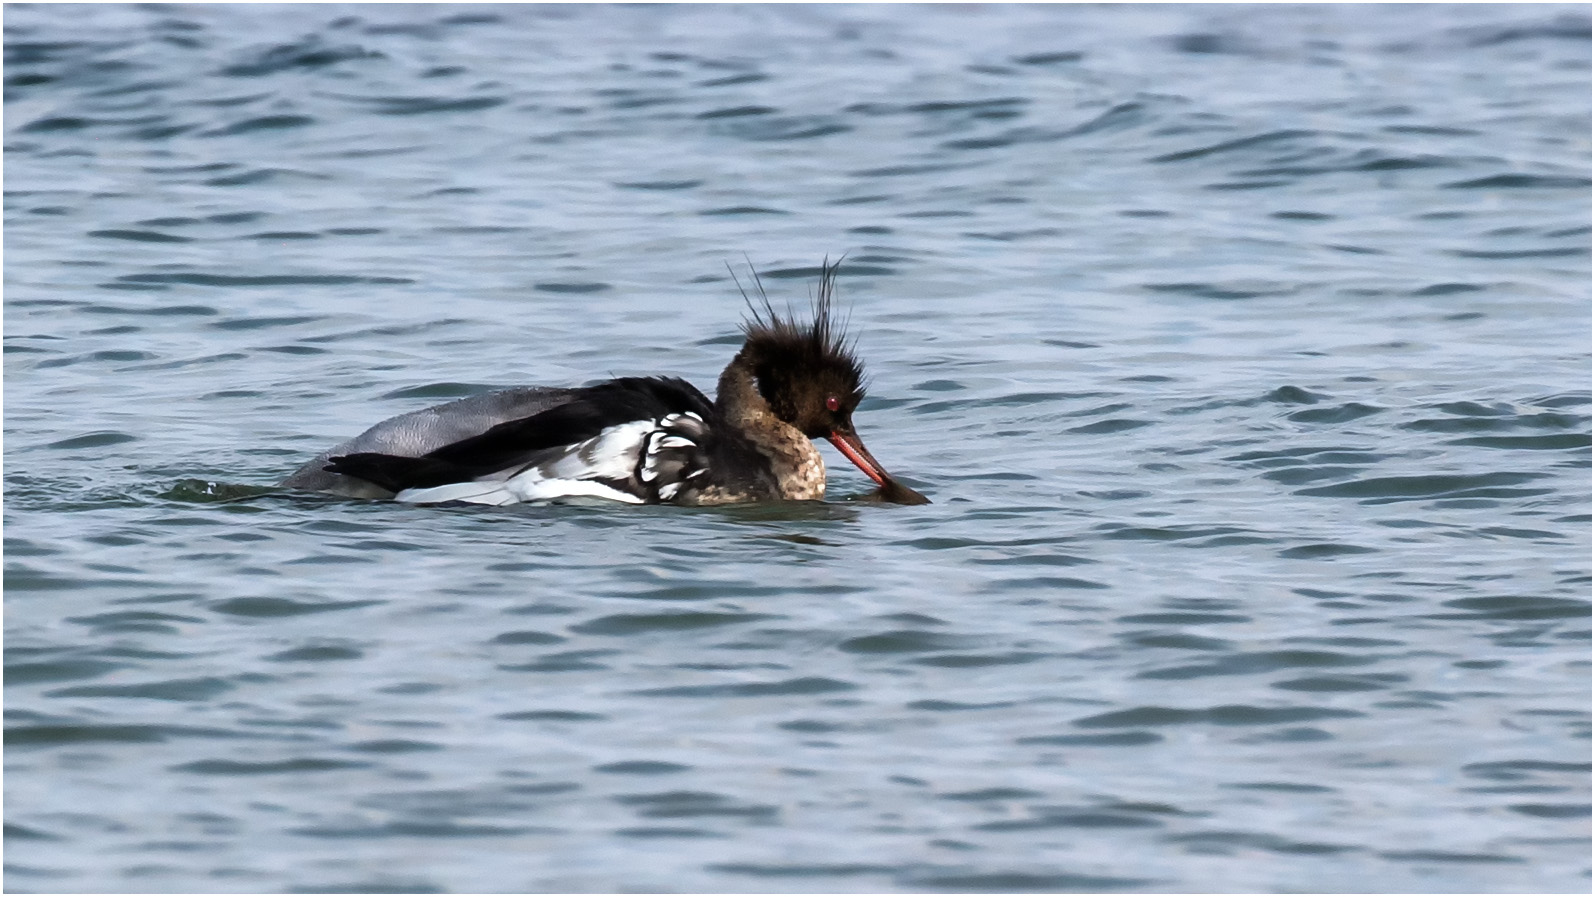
<point x="794" y="460"/>
<point x="737" y="396"/>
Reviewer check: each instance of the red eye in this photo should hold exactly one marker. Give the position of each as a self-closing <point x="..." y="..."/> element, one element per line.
<point x="833" y="403"/>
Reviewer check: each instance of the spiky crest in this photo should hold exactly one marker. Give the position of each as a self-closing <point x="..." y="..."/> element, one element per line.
<point x="820" y="338"/>
<point x="799" y="364"/>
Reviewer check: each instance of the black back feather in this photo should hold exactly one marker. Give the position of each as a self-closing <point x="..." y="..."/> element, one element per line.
<point x="397" y="473"/>
<point x="590" y="411"/>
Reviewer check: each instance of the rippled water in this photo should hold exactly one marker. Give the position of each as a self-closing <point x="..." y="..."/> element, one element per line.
<point x="1245" y="352"/>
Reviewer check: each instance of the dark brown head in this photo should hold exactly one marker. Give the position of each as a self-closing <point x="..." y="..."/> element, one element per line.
<point x="807" y="373"/>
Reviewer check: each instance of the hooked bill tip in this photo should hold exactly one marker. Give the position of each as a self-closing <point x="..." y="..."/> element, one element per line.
<point x="891" y="490"/>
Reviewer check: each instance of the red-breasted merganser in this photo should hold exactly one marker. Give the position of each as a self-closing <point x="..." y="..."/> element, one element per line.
<point x="642" y="440"/>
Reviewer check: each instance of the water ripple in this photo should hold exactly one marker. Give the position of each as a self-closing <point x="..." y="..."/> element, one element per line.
<point x="1256" y="403"/>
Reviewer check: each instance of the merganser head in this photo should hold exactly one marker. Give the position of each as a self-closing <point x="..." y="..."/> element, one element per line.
<point x="810" y="378"/>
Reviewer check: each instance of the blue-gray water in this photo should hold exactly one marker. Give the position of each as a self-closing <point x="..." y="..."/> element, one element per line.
<point x="1244" y="351"/>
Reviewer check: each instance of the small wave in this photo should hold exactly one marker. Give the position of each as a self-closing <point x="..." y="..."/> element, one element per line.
<point x="1069" y="819"/>
<point x="1556" y="442"/>
<point x="1212" y="43"/>
<point x="1235" y="145"/>
<point x="261" y="123"/>
<point x="1444" y="856"/>
<point x="1215" y="291"/>
<point x="742" y="210"/>
<point x="1521" y="182"/>
<point x="641" y="768"/>
<point x="966" y="661"/>
<point x="1380" y="490"/>
<point x="99" y="439"/>
<point x="1106" y="739"/>
<point x="268" y="767"/>
<point x="572" y="287"/>
<point x="310" y="53"/>
<point x="1005" y="882"/>
<point x="316" y="654"/>
<point x="1514" y="607"/>
<point x="734" y="80"/>
<point x="1225" y="841"/>
<point x="1224" y="715"/>
<point x="1339" y="414"/>
<point x="1338" y="683"/>
<point x="806" y="685"/>
<point x="643" y="624"/>
<point x="737" y="112"/>
<point x="903" y="641"/>
<point x="262" y="176"/>
<point x="282" y="607"/>
<point x="1124" y="115"/>
<point x="693" y="804"/>
<point x="429" y="105"/>
<point x="1570" y="26"/>
<point x="244" y="324"/>
<point x="446" y="390"/>
<point x="780" y="127"/>
<point x="1003" y="106"/>
<point x="1115" y="425"/>
<point x="1544" y="253"/>
<point x="196" y="689"/>
<point x="557" y="716"/>
<point x="563" y="662"/>
<point x="195" y="278"/>
<point x="71" y="734"/>
<point x="660" y="185"/>
<point x="1053" y="58"/>
<point x="60" y="670"/>
<point x="139" y="236"/>
<point x="56" y="123"/>
<point x="1448" y="289"/>
<point x="147" y="621"/>
<point x="841" y="269"/>
<point x="1471" y="418"/>
<point x="804" y="870"/>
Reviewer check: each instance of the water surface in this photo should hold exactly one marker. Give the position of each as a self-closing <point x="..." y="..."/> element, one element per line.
<point x="1245" y="352"/>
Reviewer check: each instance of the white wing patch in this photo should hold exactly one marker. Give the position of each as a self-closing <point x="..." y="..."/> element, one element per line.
<point x="501" y="494"/>
<point x="611" y="455"/>
<point x="671" y="456"/>
<point x="545" y="490"/>
<point x="474" y="492"/>
<point x="584" y="468"/>
<point x="658" y="456"/>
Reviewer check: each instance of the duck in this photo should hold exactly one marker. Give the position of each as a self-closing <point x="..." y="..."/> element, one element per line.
<point x="650" y="440"/>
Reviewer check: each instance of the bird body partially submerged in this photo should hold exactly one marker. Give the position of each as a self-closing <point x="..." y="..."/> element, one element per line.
<point x="641" y="440"/>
